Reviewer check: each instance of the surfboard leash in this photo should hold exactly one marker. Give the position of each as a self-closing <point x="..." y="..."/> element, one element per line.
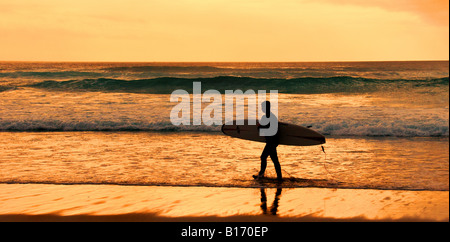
<point x="324" y="166"/>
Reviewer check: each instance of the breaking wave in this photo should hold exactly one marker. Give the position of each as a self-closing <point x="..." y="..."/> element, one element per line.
<point x="438" y="128"/>
<point x="6" y="88"/>
<point x="306" y="85"/>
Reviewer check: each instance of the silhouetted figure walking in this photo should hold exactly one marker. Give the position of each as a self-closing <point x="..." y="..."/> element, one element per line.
<point x="271" y="143"/>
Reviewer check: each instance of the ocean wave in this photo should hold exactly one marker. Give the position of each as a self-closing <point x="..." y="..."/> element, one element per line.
<point x="6" y="88"/>
<point x="394" y="129"/>
<point x="50" y="74"/>
<point x="335" y="128"/>
<point x="164" y="69"/>
<point x="306" y="85"/>
<point x="58" y="125"/>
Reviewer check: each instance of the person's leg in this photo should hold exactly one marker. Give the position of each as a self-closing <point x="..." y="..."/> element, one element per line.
<point x="276" y="163"/>
<point x="264" y="156"/>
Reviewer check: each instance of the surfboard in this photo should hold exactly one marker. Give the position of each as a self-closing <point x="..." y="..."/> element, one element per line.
<point x="288" y="134"/>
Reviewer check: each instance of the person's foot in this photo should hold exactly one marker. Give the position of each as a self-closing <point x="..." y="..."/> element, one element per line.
<point x="256" y="177"/>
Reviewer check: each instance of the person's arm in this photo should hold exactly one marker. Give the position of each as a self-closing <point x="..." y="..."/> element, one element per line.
<point x="260" y="126"/>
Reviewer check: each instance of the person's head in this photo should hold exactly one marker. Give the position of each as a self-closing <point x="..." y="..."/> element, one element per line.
<point x="265" y="106"/>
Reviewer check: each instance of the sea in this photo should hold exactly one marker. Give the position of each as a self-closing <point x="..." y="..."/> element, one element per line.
<point x="386" y="124"/>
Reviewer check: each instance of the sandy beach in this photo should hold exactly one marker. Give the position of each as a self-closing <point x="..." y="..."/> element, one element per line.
<point x="41" y="202"/>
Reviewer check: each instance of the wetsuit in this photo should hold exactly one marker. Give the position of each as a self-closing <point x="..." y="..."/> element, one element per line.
<point x="270" y="150"/>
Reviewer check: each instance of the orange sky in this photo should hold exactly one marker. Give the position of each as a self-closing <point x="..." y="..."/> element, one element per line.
<point x="224" y="30"/>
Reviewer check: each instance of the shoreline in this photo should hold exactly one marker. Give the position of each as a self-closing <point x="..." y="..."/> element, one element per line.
<point x="45" y="202"/>
<point x="267" y="185"/>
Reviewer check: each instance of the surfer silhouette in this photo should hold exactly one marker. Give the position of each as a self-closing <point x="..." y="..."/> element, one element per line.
<point x="271" y="142"/>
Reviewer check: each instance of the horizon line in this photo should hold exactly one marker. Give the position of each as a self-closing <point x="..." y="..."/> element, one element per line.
<point x="95" y="61"/>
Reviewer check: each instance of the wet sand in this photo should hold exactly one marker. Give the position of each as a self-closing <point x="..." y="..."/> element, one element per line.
<point x="42" y="202"/>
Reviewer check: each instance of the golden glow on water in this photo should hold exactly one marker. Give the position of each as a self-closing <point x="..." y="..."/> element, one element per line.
<point x="205" y="159"/>
<point x="386" y="152"/>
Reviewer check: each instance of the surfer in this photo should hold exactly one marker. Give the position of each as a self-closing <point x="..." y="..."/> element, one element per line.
<point x="271" y="142"/>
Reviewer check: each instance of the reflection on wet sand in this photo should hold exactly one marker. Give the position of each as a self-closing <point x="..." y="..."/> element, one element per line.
<point x="274" y="208"/>
<point x="22" y="202"/>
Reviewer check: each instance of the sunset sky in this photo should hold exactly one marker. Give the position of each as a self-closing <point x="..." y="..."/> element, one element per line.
<point x="224" y="30"/>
